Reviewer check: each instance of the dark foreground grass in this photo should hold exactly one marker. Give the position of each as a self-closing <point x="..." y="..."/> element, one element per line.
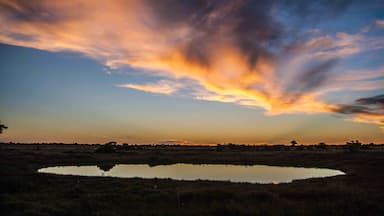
<point x="25" y="192"/>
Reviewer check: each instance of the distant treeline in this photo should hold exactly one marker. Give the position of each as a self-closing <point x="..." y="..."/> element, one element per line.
<point x="110" y="147"/>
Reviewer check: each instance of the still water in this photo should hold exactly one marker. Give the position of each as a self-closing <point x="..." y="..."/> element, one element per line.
<point x="215" y="172"/>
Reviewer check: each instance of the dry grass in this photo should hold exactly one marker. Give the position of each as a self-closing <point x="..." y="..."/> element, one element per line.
<point x="25" y="192"/>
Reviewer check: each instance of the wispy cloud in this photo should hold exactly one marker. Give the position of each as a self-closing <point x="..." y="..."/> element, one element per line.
<point x="236" y="51"/>
<point x="341" y="45"/>
<point x="160" y="87"/>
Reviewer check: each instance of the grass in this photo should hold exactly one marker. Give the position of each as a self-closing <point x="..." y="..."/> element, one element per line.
<point x="25" y="192"/>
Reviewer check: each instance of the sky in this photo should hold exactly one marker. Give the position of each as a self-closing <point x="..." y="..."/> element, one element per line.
<point x="196" y="71"/>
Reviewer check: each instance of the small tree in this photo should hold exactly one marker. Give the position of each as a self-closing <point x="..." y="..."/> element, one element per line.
<point x="354" y="146"/>
<point x="322" y="145"/>
<point x="109" y="147"/>
<point x="2" y="127"/>
<point x="293" y="142"/>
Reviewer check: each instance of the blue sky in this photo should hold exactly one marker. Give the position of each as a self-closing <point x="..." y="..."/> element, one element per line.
<point x="207" y="73"/>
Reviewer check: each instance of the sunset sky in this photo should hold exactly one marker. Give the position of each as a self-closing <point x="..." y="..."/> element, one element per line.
<point x="204" y="71"/>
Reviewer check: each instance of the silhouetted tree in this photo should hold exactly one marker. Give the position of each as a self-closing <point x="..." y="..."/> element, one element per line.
<point x="322" y="145"/>
<point x="354" y="146"/>
<point x="293" y="142"/>
<point x="109" y="147"/>
<point x="2" y="127"/>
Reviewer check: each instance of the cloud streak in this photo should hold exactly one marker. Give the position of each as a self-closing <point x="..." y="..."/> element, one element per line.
<point x="160" y="87"/>
<point x="365" y="110"/>
<point x="236" y="51"/>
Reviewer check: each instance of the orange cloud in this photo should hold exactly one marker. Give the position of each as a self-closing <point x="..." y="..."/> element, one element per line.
<point x="369" y="119"/>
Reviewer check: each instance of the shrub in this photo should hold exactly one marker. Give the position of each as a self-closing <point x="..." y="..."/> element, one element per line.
<point x="109" y="147"/>
<point x="322" y="145"/>
<point x="354" y="146"/>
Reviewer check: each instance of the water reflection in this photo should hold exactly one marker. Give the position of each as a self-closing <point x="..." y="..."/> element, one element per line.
<point x="215" y="172"/>
<point x="105" y="166"/>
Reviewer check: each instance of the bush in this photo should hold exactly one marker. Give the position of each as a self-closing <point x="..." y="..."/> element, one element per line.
<point x="354" y="146"/>
<point x="322" y="146"/>
<point x="109" y="147"/>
